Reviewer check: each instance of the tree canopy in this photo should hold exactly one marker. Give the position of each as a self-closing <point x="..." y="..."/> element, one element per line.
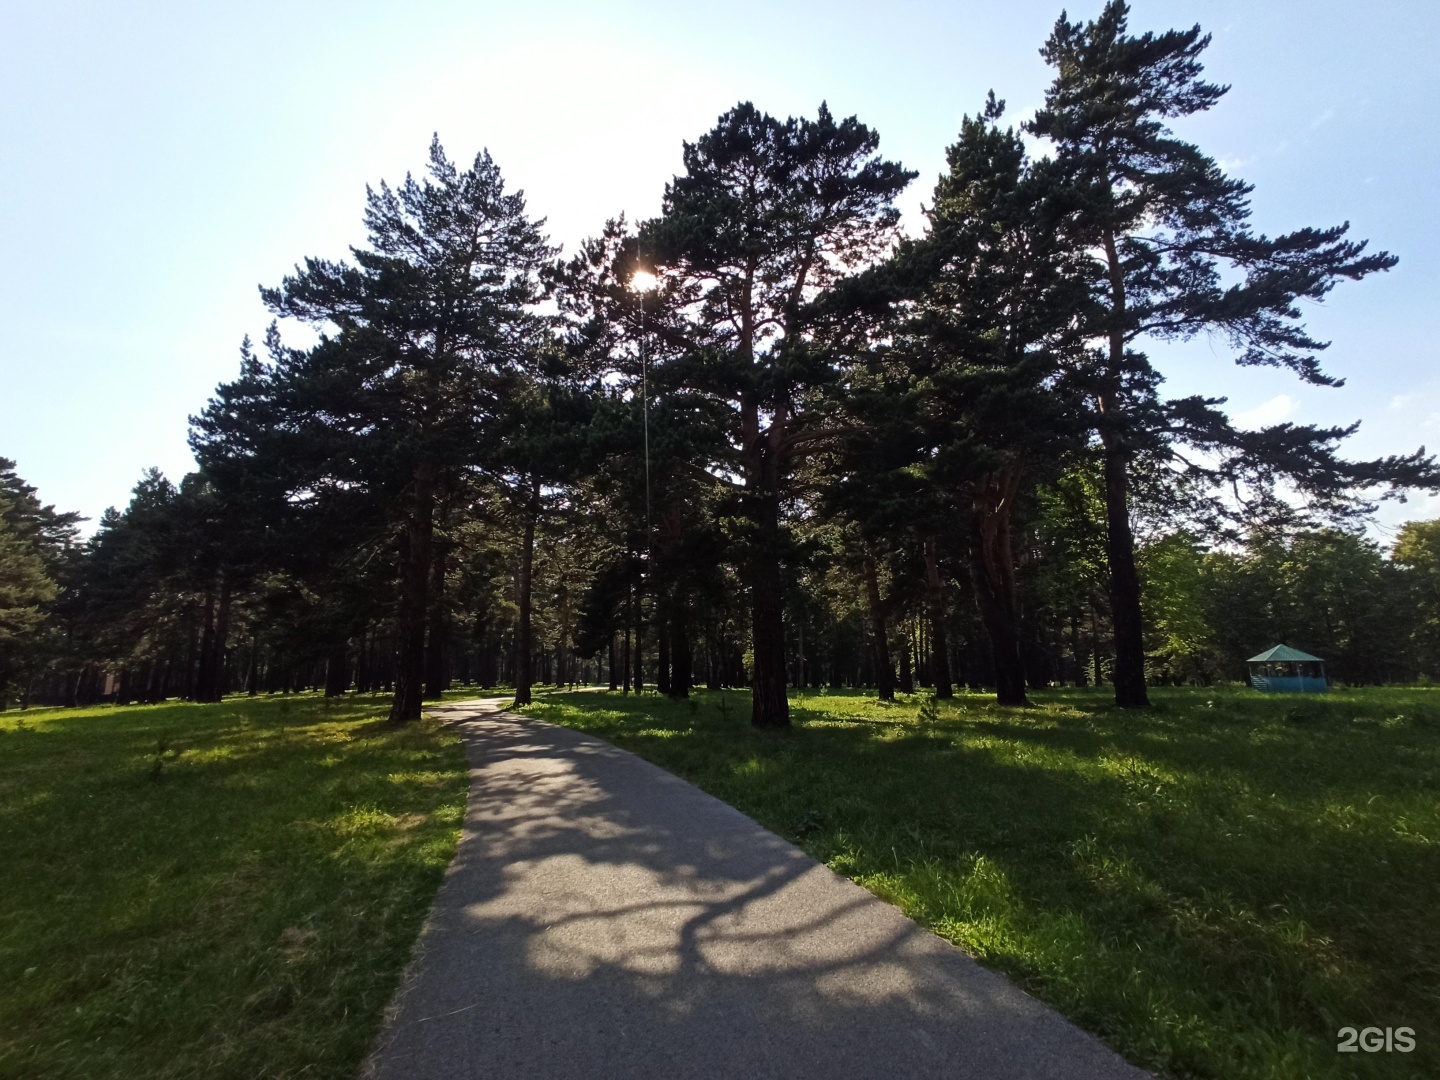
<point x="763" y="439"/>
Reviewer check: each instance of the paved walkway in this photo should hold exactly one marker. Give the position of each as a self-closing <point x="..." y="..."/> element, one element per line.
<point x="603" y="918"/>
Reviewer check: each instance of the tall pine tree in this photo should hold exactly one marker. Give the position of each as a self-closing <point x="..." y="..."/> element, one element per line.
<point x="766" y="216"/>
<point x="996" y="294"/>
<point x="421" y="335"/>
<point x="1166" y="229"/>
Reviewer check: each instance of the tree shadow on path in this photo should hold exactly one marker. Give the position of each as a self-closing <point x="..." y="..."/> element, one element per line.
<point x="604" y="918"/>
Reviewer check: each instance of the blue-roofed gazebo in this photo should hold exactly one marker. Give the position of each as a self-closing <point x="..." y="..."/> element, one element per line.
<point x="1283" y="670"/>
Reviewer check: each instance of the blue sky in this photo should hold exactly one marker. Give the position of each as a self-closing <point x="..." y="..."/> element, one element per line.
<point x="159" y="161"/>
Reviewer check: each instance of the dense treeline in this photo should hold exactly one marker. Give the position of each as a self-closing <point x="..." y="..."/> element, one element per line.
<point x="762" y="439"/>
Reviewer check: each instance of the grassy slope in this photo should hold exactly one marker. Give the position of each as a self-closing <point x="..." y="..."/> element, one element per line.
<point x="1215" y="886"/>
<point x="243" y="908"/>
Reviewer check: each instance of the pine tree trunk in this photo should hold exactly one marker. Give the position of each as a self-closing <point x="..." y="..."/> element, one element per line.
<point x="1126" y="619"/>
<point x="252" y="667"/>
<point x="364" y="668"/>
<point x="714" y="664"/>
<point x="638" y="617"/>
<point x="1079" y="662"/>
<point x="662" y="646"/>
<point x="610" y="664"/>
<point x="437" y="645"/>
<point x="884" y="673"/>
<point x="198" y="661"/>
<point x="907" y="674"/>
<point x="410" y="609"/>
<point x="484" y="653"/>
<point x="563" y="665"/>
<point x="992" y="572"/>
<point x="939" y="646"/>
<point x="769" y="705"/>
<point x="337" y="668"/>
<point x="524" y="652"/>
<point x="922" y="649"/>
<point x="1095" y="646"/>
<point x="204" y="669"/>
<point x="220" y="679"/>
<point x="680" y="659"/>
<point x="625" y="652"/>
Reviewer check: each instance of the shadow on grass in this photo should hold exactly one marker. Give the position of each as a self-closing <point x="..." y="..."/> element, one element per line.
<point x="602" y="918"/>
<point x="218" y="890"/>
<point x="1216" y="888"/>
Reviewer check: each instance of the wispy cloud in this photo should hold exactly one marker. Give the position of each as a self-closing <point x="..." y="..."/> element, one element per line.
<point x="1324" y="118"/>
<point x="1278" y="408"/>
<point x="1399" y="401"/>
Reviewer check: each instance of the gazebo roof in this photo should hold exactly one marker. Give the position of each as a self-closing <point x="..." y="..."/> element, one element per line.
<point x="1283" y="652"/>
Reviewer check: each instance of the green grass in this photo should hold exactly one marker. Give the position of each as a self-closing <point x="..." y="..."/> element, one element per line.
<point x="213" y="890"/>
<point x="1215" y="886"/>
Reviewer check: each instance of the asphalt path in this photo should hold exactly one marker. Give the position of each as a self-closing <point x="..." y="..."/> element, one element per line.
<point x="603" y="918"/>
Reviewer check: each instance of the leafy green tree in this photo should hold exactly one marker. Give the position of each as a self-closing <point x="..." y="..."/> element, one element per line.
<point x="1417" y="554"/>
<point x="1165" y="229"/>
<point x="1179" y="639"/>
<point x="1339" y="594"/>
<point x="1327" y="591"/>
<point x="1068" y="576"/>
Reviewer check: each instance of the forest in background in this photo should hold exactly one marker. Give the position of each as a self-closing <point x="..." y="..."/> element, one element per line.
<point x="763" y="439"/>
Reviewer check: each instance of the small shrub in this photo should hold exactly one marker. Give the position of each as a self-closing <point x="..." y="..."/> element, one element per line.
<point x="929" y="714"/>
<point x="157" y="762"/>
<point x="1306" y="712"/>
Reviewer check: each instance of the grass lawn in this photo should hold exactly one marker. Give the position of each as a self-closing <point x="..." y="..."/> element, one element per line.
<point x="213" y="890"/>
<point x="1215" y="886"/>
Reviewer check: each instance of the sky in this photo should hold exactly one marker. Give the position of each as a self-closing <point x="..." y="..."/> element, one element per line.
<point x="159" y="161"/>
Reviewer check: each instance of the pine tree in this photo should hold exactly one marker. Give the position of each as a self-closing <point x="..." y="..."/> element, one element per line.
<point x="1166" y="226"/>
<point x="26" y="590"/>
<point x="766" y="216"/>
<point x="421" y="336"/>
<point x="541" y="444"/>
<point x="995" y="291"/>
<point x="38" y="555"/>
